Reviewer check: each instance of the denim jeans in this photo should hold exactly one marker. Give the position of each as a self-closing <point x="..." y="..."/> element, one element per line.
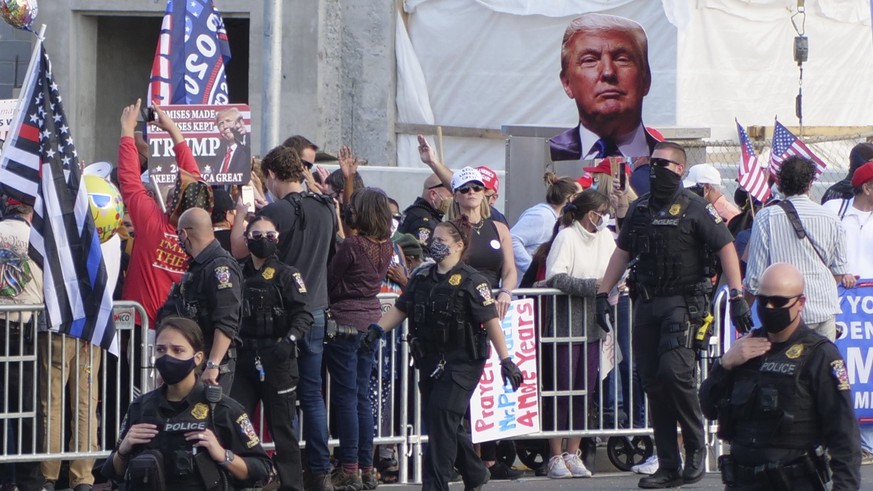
<point x="350" y="383"/>
<point x="310" y="397"/>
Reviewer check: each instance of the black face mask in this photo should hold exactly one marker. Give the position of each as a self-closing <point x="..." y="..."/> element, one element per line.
<point x="697" y="189"/>
<point x="174" y="370"/>
<point x="185" y="245"/>
<point x="663" y="183"/>
<point x="775" y="320"/>
<point x="263" y="247"/>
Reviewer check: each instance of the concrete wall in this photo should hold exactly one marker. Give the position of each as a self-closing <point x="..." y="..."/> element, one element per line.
<point x="337" y="68"/>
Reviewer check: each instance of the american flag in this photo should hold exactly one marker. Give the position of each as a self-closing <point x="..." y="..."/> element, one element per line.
<point x="785" y="144"/>
<point x="752" y="177"/>
<point x="40" y="165"/>
<point x="191" y="54"/>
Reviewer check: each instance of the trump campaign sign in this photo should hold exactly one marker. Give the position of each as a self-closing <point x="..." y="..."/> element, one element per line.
<point x="496" y="412"/>
<point x="856" y="344"/>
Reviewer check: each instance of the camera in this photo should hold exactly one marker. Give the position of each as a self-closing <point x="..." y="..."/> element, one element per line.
<point x="332" y="330"/>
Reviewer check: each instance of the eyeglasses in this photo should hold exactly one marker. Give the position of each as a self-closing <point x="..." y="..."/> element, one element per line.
<point x="397" y="217"/>
<point x="662" y="162"/>
<point x="776" y="301"/>
<point x="473" y="187"/>
<point x="258" y="235"/>
<point x="440" y="185"/>
<point x="182" y="229"/>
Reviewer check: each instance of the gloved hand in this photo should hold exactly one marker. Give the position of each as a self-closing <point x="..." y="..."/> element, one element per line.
<point x="510" y="373"/>
<point x="741" y="315"/>
<point x="603" y="311"/>
<point x="374" y="332"/>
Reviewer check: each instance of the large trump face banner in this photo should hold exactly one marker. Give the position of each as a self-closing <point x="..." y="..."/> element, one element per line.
<point x="496" y="412"/>
<point x="219" y="138"/>
<point x="856" y="344"/>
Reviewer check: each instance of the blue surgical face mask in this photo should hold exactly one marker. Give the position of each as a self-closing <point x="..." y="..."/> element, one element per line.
<point x="594" y="185"/>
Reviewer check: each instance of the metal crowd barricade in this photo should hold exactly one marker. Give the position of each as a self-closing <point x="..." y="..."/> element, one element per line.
<point x="398" y="415"/>
<point x="55" y="371"/>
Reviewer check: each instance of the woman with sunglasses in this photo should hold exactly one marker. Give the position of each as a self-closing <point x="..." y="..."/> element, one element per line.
<point x="354" y="279"/>
<point x="274" y="319"/>
<point x="180" y="434"/>
<point x="490" y="253"/>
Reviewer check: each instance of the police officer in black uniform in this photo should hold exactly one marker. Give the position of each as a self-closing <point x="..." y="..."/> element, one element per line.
<point x="274" y="319"/>
<point x="210" y="294"/>
<point x="185" y="435"/>
<point x="452" y="315"/>
<point x="782" y="399"/>
<point x="424" y="214"/>
<point x="667" y="235"/>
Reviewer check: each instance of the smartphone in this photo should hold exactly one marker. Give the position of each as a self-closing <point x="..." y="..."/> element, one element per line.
<point x="148" y="114"/>
<point x="248" y="197"/>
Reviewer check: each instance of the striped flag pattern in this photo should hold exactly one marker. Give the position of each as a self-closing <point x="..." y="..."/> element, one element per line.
<point x="752" y="177"/>
<point x="190" y="57"/>
<point x="39" y="165"/>
<point x="784" y="145"/>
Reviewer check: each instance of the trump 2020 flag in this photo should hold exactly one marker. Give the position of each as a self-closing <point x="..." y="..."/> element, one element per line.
<point x="190" y="57"/>
<point x="752" y="177"/>
<point x="784" y="145"/>
<point x="39" y="165"/>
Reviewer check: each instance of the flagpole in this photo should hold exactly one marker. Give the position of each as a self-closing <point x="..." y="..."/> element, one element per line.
<point x="22" y="102"/>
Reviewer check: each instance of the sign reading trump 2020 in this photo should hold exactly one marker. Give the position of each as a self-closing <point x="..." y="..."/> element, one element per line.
<point x="856" y="344"/>
<point x="496" y="412"/>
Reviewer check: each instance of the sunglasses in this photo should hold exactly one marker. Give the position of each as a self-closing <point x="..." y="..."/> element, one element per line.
<point x="473" y="187"/>
<point x="182" y="229"/>
<point x="662" y="162"/>
<point x="436" y="186"/>
<point x="307" y="163"/>
<point x="776" y="301"/>
<point x="397" y="217"/>
<point x="258" y="235"/>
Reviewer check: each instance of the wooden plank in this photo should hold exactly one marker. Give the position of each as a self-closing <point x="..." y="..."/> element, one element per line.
<point x="460" y="131"/>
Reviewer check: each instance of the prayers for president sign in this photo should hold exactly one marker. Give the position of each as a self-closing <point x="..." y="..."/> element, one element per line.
<point x="496" y="412"/>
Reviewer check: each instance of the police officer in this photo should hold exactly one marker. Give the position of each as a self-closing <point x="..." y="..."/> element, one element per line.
<point x="185" y="435"/>
<point x="452" y="315"/>
<point x="427" y="211"/>
<point x="210" y="294"/>
<point x="782" y="399"/>
<point x="668" y="234"/>
<point x="274" y="318"/>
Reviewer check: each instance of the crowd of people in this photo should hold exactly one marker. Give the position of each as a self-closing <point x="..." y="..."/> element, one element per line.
<point x="260" y="301"/>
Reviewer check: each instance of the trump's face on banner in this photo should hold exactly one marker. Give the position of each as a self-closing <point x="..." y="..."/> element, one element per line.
<point x="604" y="68"/>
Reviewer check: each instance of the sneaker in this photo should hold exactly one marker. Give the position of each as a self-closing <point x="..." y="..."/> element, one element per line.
<point x="558" y="469"/>
<point x="48" y="486"/>
<point x="575" y="465"/>
<point x="344" y="481"/>
<point x="866" y="457"/>
<point x="317" y="482"/>
<point x="649" y="467"/>
<point x="369" y="479"/>
<point x="82" y="487"/>
<point x="661" y="479"/>
<point x="502" y="472"/>
<point x="483" y="483"/>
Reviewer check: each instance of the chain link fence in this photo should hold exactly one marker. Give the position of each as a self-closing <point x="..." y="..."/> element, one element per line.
<point x="725" y="155"/>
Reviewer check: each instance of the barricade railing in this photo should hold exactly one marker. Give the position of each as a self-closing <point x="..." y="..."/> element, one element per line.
<point x="608" y="409"/>
<point x="44" y="373"/>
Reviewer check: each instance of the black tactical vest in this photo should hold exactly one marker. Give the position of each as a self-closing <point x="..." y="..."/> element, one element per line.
<point x="263" y="308"/>
<point x="669" y="257"/>
<point x="769" y="406"/>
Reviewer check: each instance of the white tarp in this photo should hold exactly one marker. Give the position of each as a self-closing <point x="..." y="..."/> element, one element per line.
<point x="487" y="63"/>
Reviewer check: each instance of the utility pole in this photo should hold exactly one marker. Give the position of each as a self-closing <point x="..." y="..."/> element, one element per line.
<point x="272" y="81"/>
